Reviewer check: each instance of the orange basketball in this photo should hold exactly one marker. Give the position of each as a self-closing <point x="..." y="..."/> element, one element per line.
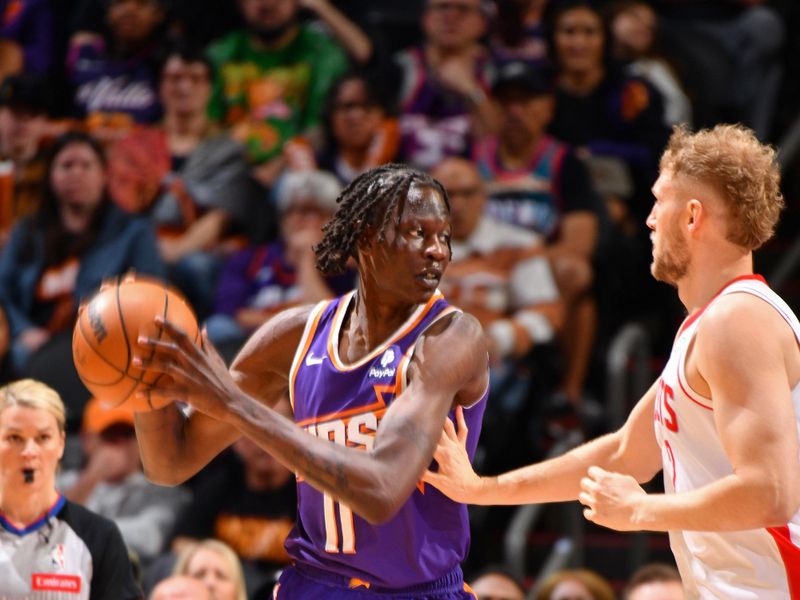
<point x="105" y="337"/>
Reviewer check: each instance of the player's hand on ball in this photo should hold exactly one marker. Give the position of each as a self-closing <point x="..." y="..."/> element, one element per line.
<point x="611" y="499"/>
<point x="454" y="477"/>
<point x="196" y="373"/>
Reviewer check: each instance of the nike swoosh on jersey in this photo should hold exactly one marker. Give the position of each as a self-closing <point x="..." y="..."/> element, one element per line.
<point x="312" y="361"/>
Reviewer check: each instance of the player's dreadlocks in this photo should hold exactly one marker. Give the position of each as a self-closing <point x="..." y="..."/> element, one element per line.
<point x="368" y="200"/>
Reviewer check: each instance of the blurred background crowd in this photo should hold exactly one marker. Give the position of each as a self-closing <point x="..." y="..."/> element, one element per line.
<point x="206" y="142"/>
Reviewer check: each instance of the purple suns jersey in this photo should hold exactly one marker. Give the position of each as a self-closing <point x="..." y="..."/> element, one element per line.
<point x="429" y="536"/>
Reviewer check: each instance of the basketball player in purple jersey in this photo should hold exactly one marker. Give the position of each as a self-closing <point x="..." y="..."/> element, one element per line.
<point x="376" y="372"/>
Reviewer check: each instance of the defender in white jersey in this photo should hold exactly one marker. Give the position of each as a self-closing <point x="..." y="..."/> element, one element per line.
<point x="722" y="420"/>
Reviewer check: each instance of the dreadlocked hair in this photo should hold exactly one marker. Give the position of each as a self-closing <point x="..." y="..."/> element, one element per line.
<point x="368" y="201"/>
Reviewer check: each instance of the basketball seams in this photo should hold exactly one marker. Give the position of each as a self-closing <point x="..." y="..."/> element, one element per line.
<point x="164" y="314"/>
<point x="130" y="391"/>
<point x="121" y="315"/>
<point x="99" y="359"/>
<point x="137" y="379"/>
<point x="96" y="352"/>
<point x="96" y="349"/>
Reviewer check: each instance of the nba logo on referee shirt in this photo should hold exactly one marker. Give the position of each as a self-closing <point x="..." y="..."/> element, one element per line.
<point x="385" y="370"/>
<point x="57" y="557"/>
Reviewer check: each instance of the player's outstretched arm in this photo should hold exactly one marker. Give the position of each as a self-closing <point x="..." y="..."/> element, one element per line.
<point x="747" y="355"/>
<point x="173" y="446"/>
<point x="450" y="365"/>
<point x="631" y="450"/>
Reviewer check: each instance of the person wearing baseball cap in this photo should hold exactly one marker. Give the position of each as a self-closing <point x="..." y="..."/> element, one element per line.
<point x="112" y="484"/>
<point x="523" y="77"/>
<point x="98" y="418"/>
<point x="536" y="182"/>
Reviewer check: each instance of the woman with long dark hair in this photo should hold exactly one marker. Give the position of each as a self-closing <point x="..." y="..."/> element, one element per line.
<point x="62" y="253"/>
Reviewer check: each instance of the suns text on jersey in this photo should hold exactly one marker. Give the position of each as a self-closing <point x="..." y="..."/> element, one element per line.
<point x="356" y="430"/>
<point x="664" y="410"/>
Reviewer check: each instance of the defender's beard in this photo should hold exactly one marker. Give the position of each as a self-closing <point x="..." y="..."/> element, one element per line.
<point x="671" y="262"/>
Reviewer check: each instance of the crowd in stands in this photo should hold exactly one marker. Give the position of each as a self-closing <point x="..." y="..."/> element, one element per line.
<point x="206" y="143"/>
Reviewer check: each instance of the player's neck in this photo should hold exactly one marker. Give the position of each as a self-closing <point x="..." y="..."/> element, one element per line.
<point x="375" y="319"/>
<point x="23" y="507"/>
<point x="701" y="284"/>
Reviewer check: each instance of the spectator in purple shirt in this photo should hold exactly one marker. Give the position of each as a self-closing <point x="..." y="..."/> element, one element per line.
<point x="114" y="75"/>
<point x="440" y="86"/>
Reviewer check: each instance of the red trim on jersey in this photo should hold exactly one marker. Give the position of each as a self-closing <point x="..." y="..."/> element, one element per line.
<point x="790" y="553"/>
<point x="693" y="317"/>
<point x="686" y="391"/>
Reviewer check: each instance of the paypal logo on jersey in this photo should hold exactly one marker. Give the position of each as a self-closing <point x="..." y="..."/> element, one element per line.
<point x="385" y="370"/>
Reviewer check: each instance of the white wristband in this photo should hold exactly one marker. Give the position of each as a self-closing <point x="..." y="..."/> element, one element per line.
<point x="538" y="327"/>
<point x="502" y="333"/>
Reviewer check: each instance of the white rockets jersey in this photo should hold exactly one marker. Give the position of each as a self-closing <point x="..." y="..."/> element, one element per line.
<point x="758" y="564"/>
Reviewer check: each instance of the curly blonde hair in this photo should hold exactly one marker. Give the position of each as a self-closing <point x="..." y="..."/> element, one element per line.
<point x="745" y="172"/>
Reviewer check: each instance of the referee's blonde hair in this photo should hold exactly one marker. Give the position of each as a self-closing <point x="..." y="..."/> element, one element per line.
<point x="34" y="394"/>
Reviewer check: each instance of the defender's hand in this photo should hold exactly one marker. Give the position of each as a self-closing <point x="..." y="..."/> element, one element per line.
<point x="611" y="499"/>
<point x="455" y="477"/>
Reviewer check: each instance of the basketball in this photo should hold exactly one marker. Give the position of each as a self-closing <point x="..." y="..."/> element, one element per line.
<point x="104" y="340"/>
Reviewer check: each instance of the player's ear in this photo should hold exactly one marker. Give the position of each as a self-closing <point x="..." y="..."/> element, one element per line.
<point x="696" y="212"/>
